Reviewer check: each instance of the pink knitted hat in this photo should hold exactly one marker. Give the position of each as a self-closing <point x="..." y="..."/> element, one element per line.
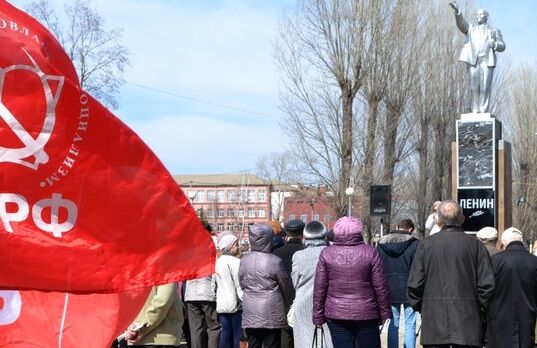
<point x="348" y="225"/>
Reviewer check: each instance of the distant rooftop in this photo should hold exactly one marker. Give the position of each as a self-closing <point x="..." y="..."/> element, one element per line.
<point x="230" y="179"/>
<point x="220" y="179"/>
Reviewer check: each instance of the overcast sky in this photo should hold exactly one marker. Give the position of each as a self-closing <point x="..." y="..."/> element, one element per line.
<point x="219" y="52"/>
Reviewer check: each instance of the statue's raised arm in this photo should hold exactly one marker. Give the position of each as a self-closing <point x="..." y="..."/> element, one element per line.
<point x="462" y="24"/>
<point x="454" y="5"/>
<point x="479" y="54"/>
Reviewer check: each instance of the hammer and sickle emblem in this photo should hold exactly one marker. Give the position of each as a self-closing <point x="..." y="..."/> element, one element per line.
<point x="32" y="147"/>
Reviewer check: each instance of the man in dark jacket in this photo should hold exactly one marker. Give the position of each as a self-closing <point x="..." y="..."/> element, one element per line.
<point x="511" y="318"/>
<point x="293" y="229"/>
<point x="451" y="282"/>
<point x="397" y="251"/>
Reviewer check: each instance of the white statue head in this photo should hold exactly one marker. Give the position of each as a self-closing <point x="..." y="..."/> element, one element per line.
<point x="482" y="16"/>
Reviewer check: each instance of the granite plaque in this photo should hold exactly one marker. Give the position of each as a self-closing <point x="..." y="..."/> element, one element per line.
<point x="478" y="207"/>
<point x="476" y="147"/>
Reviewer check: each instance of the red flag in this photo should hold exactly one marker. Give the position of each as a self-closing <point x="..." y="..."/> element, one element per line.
<point x="85" y="206"/>
<point x="39" y="319"/>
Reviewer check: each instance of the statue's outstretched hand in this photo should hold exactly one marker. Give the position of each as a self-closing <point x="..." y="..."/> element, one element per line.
<point x="454" y="5"/>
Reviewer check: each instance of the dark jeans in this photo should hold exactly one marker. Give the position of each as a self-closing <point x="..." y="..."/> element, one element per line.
<point x="354" y="333"/>
<point x="149" y="346"/>
<point x="230" y="334"/>
<point x="448" y="346"/>
<point x="202" y="318"/>
<point x="287" y="337"/>
<point x="264" y="338"/>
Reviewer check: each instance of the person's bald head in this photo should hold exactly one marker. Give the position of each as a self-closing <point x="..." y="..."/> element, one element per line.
<point x="450" y="213"/>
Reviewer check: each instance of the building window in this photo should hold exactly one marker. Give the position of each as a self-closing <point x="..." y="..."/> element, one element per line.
<point x="210" y="213"/>
<point x="199" y="212"/>
<point x="316" y="217"/>
<point x="292" y="216"/>
<point x="261" y="213"/>
<point x="230" y="212"/>
<point x="230" y="226"/>
<point x="241" y="212"/>
<point x="191" y="194"/>
<point x="221" y="196"/>
<point x="200" y="196"/>
<point x="304" y="218"/>
<point x="251" y="212"/>
<point x="220" y="227"/>
<point x="261" y="196"/>
<point x="231" y="196"/>
<point x="210" y="196"/>
<point x="251" y="196"/>
<point x="221" y="212"/>
<point x="242" y="196"/>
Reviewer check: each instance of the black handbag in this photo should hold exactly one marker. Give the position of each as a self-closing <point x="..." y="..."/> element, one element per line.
<point x="319" y="339"/>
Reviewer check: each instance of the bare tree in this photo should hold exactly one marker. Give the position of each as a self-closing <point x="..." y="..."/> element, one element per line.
<point x="387" y="68"/>
<point x="521" y="126"/>
<point x="405" y="41"/>
<point x="373" y="91"/>
<point x="278" y="169"/>
<point x="97" y="53"/>
<point x="438" y="98"/>
<point x="321" y="51"/>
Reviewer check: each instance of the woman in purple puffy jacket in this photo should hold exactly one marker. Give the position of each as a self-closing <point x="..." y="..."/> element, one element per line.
<point x="350" y="291"/>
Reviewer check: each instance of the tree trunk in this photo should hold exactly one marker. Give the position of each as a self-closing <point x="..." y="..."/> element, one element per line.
<point x="423" y="151"/>
<point x="369" y="159"/>
<point x="347" y="98"/>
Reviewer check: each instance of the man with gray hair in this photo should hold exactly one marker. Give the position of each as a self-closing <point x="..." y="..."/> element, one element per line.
<point x="450" y="283"/>
<point x="513" y="309"/>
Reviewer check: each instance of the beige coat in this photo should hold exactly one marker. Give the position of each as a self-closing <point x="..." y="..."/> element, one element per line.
<point x="163" y="313"/>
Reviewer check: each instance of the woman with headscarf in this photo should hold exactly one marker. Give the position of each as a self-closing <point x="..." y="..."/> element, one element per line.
<point x="266" y="286"/>
<point x="302" y="274"/>
<point x="350" y="291"/>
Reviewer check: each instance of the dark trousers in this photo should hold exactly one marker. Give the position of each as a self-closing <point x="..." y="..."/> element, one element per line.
<point x="264" y="338"/>
<point x="186" y="328"/>
<point x="354" y="333"/>
<point x="287" y="337"/>
<point x="230" y="334"/>
<point x="202" y="317"/>
<point x="152" y="345"/>
<point x="448" y="346"/>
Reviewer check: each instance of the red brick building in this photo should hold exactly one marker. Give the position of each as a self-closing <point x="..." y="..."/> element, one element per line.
<point x="308" y="204"/>
<point x="229" y="202"/>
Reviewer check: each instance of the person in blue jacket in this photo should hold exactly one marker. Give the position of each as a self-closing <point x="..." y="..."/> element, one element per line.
<point x="397" y="252"/>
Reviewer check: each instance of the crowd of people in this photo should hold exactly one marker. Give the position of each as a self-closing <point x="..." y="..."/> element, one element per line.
<point x="299" y="285"/>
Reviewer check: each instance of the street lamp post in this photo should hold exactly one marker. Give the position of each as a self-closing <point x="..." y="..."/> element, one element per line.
<point x="349" y="192"/>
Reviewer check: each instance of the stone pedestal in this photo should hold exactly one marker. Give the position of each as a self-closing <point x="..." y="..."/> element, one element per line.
<point x="481" y="171"/>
